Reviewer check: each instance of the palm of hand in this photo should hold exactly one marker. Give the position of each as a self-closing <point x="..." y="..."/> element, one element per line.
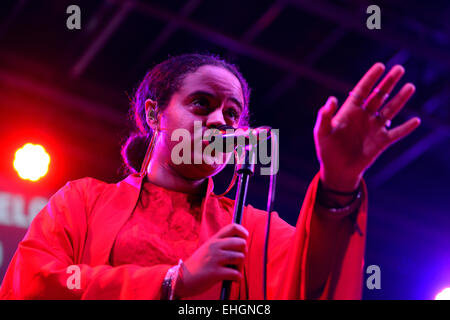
<point x="350" y="140"/>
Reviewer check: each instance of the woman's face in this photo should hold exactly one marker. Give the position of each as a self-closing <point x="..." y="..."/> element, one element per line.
<point x="212" y="96"/>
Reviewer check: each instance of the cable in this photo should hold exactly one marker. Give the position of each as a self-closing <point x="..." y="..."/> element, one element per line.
<point x="270" y="202"/>
<point x="233" y="179"/>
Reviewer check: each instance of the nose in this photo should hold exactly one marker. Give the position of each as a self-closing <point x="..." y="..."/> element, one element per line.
<point x="215" y="119"/>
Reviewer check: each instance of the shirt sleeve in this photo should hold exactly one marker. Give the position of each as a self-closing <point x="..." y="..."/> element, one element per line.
<point x="47" y="263"/>
<point x="321" y="258"/>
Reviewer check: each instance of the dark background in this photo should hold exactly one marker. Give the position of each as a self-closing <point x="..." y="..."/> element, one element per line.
<point x="67" y="89"/>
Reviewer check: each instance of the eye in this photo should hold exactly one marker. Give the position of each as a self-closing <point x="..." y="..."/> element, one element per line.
<point x="201" y="102"/>
<point x="232" y="113"/>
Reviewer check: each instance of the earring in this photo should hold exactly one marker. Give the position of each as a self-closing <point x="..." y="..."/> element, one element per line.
<point x="152" y="114"/>
<point x="148" y="154"/>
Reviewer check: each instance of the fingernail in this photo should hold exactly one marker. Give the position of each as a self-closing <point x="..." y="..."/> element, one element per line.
<point x="331" y="100"/>
<point x="380" y="64"/>
<point x="400" y="67"/>
<point x="412" y="86"/>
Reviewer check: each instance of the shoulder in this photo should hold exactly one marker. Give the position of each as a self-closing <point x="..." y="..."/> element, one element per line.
<point x="254" y="217"/>
<point x="83" y="187"/>
<point x="262" y="215"/>
<point x="73" y="206"/>
<point x="83" y="193"/>
<point x="85" y="183"/>
<point x="67" y="208"/>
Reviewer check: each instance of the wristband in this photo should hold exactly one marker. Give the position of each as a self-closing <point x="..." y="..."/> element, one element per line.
<point x="170" y="281"/>
<point x="335" y="210"/>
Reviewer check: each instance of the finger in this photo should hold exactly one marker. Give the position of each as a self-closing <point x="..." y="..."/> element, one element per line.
<point x="324" y="116"/>
<point x="229" y="274"/>
<point x="384" y="88"/>
<point x="232" y="258"/>
<point x="232" y="230"/>
<point x="396" y="104"/>
<point x="403" y="130"/>
<point x="363" y="87"/>
<point x="234" y="243"/>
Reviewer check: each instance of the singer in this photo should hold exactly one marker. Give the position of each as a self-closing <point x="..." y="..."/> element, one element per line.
<point x="162" y="233"/>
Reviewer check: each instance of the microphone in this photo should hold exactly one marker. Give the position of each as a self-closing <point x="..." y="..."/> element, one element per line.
<point x="243" y="136"/>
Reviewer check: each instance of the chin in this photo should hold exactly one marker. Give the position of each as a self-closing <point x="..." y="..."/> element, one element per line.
<point x="199" y="171"/>
<point x="209" y="166"/>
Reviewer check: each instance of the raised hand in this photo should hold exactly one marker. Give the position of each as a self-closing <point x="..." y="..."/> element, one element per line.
<point x="350" y="140"/>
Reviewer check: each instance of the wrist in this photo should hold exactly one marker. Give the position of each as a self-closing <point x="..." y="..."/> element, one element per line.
<point x="330" y="198"/>
<point x="333" y="206"/>
<point x="171" y="282"/>
<point x="179" y="289"/>
<point x="342" y="183"/>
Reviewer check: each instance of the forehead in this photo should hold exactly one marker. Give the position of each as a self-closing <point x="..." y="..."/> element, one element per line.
<point x="213" y="78"/>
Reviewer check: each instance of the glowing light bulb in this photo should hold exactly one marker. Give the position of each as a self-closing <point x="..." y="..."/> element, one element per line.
<point x="31" y="162"/>
<point x="443" y="295"/>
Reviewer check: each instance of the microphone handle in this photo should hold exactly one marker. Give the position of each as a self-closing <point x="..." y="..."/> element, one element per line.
<point x="241" y="195"/>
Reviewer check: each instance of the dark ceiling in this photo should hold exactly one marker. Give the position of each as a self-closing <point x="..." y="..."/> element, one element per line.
<point x="69" y="88"/>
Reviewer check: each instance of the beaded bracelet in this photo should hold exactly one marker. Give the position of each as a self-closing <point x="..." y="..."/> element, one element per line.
<point x="341" y="193"/>
<point x="337" y="211"/>
<point x="170" y="281"/>
<point x="350" y="208"/>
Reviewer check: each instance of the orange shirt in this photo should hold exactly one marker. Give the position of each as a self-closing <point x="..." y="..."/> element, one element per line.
<point x="122" y="249"/>
<point x="162" y="229"/>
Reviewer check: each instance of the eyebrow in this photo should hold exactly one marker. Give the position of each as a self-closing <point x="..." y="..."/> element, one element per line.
<point x="209" y="94"/>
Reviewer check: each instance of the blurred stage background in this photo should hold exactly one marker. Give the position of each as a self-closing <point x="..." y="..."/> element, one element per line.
<point x="67" y="90"/>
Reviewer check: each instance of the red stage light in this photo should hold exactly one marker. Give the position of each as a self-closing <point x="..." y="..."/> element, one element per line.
<point x="31" y="162"/>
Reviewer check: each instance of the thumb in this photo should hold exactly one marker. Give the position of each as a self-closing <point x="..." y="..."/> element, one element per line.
<point x="325" y="115"/>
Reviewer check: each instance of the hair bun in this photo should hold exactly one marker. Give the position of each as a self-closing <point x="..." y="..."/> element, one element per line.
<point x="133" y="152"/>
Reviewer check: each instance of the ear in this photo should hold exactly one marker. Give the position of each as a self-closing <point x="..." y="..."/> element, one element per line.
<point x="151" y="107"/>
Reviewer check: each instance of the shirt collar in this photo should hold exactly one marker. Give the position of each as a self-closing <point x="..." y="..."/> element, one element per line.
<point x="136" y="181"/>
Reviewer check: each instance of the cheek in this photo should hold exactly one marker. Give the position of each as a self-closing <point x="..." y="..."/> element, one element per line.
<point x="175" y="118"/>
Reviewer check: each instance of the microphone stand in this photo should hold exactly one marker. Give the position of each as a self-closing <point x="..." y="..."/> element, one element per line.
<point x="245" y="171"/>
